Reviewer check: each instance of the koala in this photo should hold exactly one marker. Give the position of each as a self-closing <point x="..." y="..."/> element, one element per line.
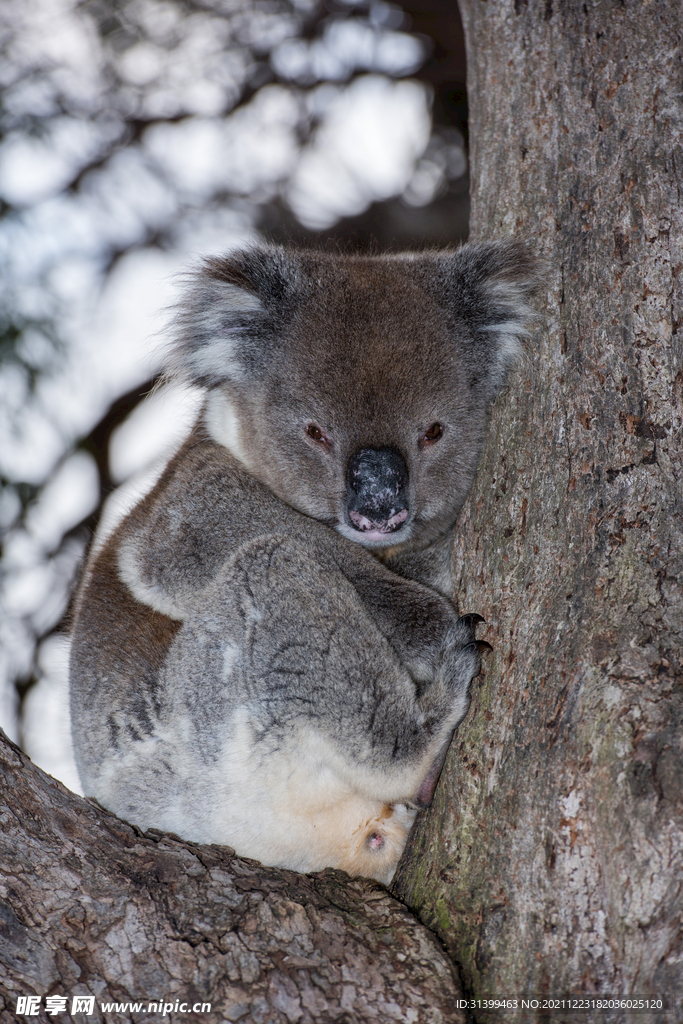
<point x="266" y="653"/>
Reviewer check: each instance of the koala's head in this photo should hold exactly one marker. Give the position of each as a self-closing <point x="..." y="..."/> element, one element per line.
<point x="358" y="388"/>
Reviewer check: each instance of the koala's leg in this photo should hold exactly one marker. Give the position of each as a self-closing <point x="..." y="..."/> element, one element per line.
<point x="308" y="727"/>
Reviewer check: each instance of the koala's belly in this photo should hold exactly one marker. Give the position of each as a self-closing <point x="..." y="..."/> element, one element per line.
<point x="282" y="804"/>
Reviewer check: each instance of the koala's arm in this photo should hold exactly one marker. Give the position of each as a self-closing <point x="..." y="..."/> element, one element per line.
<point x="176" y="540"/>
<point x="431" y="566"/>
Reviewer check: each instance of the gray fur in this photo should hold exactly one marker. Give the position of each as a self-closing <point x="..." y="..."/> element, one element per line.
<point x="245" y="669"/>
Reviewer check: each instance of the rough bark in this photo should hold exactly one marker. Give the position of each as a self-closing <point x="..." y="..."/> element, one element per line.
<point x="90" y="906"/>
<point x="551" y="861"/>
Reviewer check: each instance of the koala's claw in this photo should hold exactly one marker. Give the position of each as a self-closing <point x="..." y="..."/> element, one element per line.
<point x="480" y="646"/>
<point x="472" y="619"/>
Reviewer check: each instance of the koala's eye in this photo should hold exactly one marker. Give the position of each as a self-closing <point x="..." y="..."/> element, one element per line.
<point x="316" y="434"/>
<point x="431" y="435"/>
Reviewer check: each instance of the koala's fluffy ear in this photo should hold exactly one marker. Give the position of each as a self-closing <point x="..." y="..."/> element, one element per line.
<point x="490" y="286"/>
<point x="228" y="323"/>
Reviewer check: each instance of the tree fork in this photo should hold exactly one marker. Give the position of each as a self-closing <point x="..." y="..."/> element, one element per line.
<point x="550" y="863"/>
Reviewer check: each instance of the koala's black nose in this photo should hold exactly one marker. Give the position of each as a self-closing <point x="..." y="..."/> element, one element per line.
<point x="377" y="491"/>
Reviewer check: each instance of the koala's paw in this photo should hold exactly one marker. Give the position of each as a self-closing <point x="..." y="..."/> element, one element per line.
<point x="462" y="652"/>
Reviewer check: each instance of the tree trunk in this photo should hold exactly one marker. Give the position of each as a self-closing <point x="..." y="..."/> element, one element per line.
<point x="550" y="863"/>
<point x="90" y="906"/>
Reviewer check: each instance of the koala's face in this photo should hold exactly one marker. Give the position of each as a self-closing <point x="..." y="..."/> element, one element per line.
<point x="358" y="389"/>
<point x="369" y="425"/>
